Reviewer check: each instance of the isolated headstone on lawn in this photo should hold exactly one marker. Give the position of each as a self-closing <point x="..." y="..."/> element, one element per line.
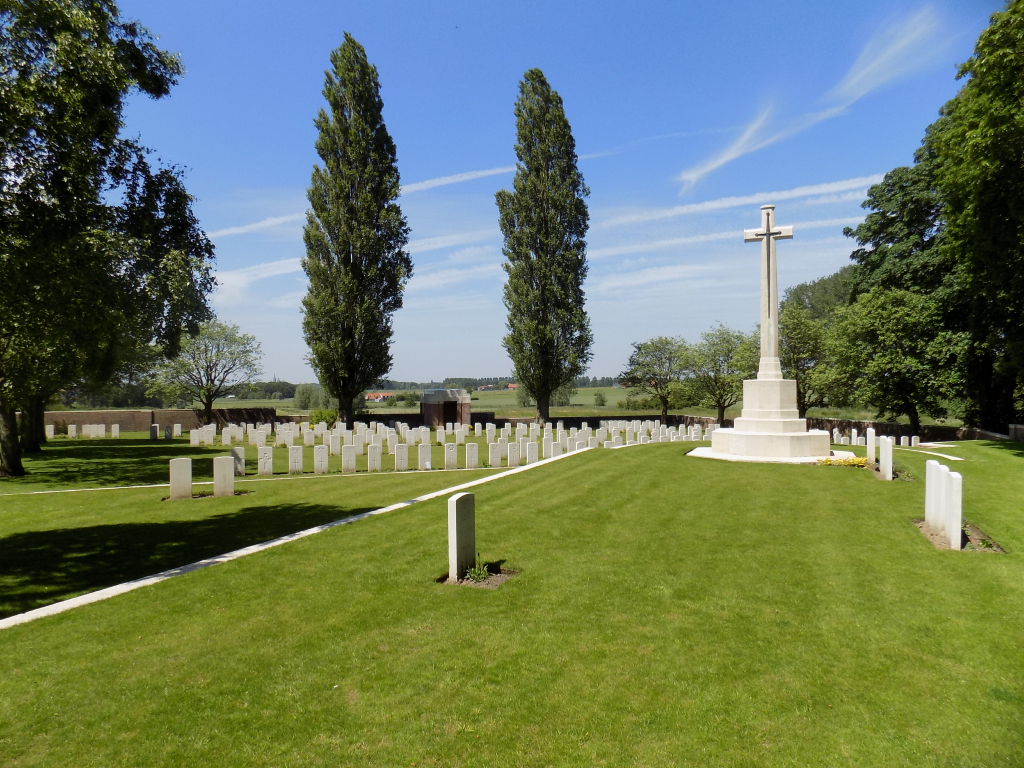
<point x="373" y="454"/>
<point x="224" y="476"/>
<point x="348" y="458"/>
<point x="320" y="456"/>
<point x="154" y="432"/>
<point x="295" y="459"/>
<point x="451" y="456"/>
<point x="401" y="457"/>
<point x="461" y="535"/>
<point x="915" y="441"/>
<point x="885" y="456"/>
<point x="49" y="431"/>
<point x="177" y="430"/>
<point x="472" y="455"/>
<point x="265" y="461"/>
<point x="238" y="454"/>
<point x="871" y="444"/>
<point x="424" y="456"/>
<point x="513" y="454"/>
<point x="181" y="478"/>
<point x="493" y="455"/>
<point x="115" y="430"/>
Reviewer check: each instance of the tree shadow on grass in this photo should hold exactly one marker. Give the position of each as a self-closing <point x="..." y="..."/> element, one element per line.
<point x="124" y="462"/>
<point x="1017" y="449"/>
<point x="42" y="567"/>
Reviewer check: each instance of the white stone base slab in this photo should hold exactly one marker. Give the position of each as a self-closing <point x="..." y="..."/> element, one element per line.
<point x="705" y="453"/>
<point x="787" y="445"/>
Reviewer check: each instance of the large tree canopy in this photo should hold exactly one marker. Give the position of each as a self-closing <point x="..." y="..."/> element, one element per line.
<point x="98" y="253"/>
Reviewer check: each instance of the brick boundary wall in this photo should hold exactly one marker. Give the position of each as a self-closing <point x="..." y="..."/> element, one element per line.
<point x="140" y="420"/>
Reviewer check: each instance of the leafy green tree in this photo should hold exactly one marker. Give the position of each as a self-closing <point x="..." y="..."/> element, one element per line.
<point x="544" y="221"/>
<point x="889" y="351"/>
<point x="600" y="400"/>
<point x="355" y="234"/>
<point x="976" y="148"/>
<point x="216" y="362"/>
<point x="719" y="364"/>
<point x="802" y="352"/>
<point x="655" y="368"/>
<point x="65" y="71"/>
<point x="820" y="297"/>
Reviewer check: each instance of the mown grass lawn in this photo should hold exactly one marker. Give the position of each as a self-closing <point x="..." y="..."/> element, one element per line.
<point x="669" y="611"/>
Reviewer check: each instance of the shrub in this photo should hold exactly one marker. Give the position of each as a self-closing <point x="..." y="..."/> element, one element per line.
<point x="326" y="415"/>
<point x="600" y="400"/>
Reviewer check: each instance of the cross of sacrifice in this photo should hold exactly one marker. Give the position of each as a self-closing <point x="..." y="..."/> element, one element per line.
<point x="768" y="234"/>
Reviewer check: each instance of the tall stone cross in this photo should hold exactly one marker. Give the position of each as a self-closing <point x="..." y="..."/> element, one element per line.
<point x="770" y="367"/>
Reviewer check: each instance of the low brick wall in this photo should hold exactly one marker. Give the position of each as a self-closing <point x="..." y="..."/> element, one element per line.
<point x="929" y="433"/>
<point x="139" y="421"/>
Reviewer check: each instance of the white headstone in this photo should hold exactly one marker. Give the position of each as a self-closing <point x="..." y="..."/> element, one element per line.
<point x="181" y="478"/>
<point x="915" y="441"/>
<point x="401" y="457"/>
<point x="451" y="456"/>
<point x="392" y="443"/>
<point x="49" y="431"/>
<point x="461" y="535"/>
<point x="871" y="445"/>
<point x="885" y="457"/>
<point x="224" y="476"/>
<point x="320" y="458"/>
<point x="476" y="429"/>
<point x="373" y="454"/>
<point x="348" y="458"/>
<point x="954" y="510"/>
<point x="295" y="460"/>
<point x="154" y="432"/>
<point x="513" y="454"/>
<point x="556" y="449"/>
<point x="177" y="430"/>
<point x="424" y="456"/>
<point x="193" y="437"/>
<point x="531" y="452"/>
<point x="472" y="455"/>
<point x="238" y="454"/>
<point x="264" y="460"/>
<point x="493" y="455"/>
<point x="115" y="430"/>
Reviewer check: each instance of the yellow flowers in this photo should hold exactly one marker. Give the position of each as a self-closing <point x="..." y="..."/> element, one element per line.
<point x="856" y="461"/>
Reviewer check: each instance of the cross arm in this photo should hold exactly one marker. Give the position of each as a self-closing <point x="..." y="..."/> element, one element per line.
<point x="752" y="235"/>
<point x="785" y="233"/>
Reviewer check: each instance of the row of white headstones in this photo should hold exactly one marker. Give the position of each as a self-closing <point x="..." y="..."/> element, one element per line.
<point x="378" y="438"/>
<point x="943" y="492"/>
<point x="88" y="430"/>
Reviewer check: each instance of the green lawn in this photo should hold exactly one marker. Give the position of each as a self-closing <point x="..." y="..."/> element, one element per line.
<point x="669" y="611"/>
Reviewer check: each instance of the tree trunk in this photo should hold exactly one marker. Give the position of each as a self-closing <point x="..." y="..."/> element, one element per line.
<point x="207" y="411"/>
<point x="33" y="429"/>
<point x="10" y="448"/>
<point x="544" y="408"/>
<point x="721" y="415"/>
<point x="915" y="421"/>
<point x="664" y="410"/>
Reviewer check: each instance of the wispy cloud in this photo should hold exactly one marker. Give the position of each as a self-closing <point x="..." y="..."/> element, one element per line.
<point x="233" y="283"/>
<point x="442" y="277"/>
<point x="442" y="181"/>
<point x="721" y="203"/>
<point x="661" y="245"/>
<point x="648" y="276"/>
<point x="447" y="241"/>
<point x="844" y="197"/>
<point x="900" y="49"/>
<point x="897" y="51"/>
<point x="273" y="221"/>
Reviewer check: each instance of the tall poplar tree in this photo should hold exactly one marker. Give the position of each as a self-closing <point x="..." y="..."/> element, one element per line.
<point x="355" y="234"/>
<point x="544" y="221"/>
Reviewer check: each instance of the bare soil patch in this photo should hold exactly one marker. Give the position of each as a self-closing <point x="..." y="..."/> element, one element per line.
<point x="498" y="576"/>
<point x="973" y="539"/>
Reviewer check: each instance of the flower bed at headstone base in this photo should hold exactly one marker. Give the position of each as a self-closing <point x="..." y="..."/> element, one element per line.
<point x="972" y="537"/>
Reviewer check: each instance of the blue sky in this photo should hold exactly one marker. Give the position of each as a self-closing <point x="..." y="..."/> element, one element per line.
<point x="687" y="117"/>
